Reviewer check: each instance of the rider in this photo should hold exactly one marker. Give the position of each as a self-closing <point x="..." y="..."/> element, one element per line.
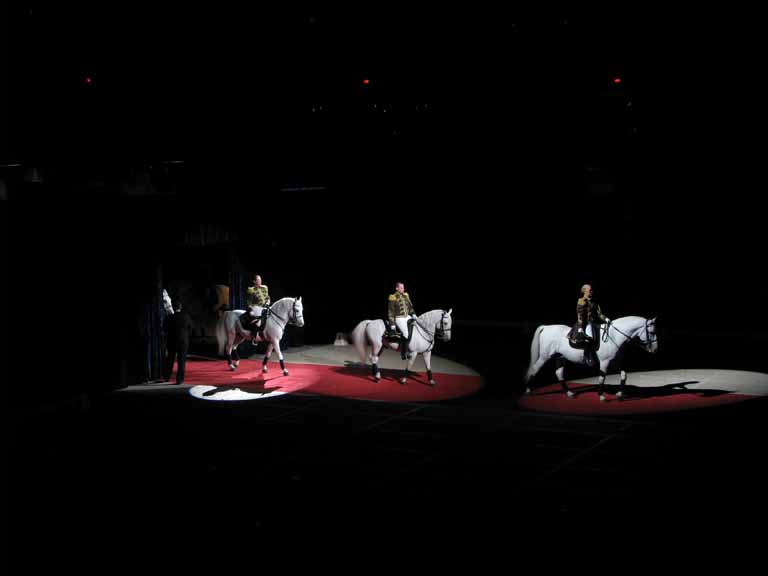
<point x="588" y="318"/>
<point x="401" y="316"/>
<point x="257" y="301"/>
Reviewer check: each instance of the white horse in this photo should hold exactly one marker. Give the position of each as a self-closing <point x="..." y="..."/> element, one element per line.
<point x="552" y="342"/>
<point x="428" y="326"/>
<point x="167" y="304"/>
<point x="230" y="332"/>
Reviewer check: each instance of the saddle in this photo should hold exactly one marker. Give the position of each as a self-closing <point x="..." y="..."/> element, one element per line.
<point x="245" y="320"/>
<point x="578" y="340"/>
<point x="250" y="323"/>
<point x="393" y="335"/>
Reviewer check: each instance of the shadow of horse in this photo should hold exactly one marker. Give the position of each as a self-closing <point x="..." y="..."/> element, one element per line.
<point x="645" y="392"/>
<point x="354" y="369"/>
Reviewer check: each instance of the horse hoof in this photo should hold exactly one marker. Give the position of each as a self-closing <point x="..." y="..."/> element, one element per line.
<point x="232" y="367"/>
<point x="528" y="392"/>
<point x="265" y="370"/>
<point x="237" y="363"/>
<point x="432" y="383"/>
<point x="377" y="378"/>
<point x="602" y="398"/>
<point x="403" y="381"/>
<point x="570" y="394"/>
<point x="285" y="372"/>
<point x="620" y="396"/>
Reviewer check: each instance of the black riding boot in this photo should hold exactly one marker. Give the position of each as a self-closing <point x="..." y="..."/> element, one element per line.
<point x="589" y="354"/>
<point x="406" y="341"/>
<point x="262" y="323"/>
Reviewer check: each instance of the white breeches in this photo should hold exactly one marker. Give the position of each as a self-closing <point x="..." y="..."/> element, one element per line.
<point x="402" y="325"/>
<point x="256" y="311"/>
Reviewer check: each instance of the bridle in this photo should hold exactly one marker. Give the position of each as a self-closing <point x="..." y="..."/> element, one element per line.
<point x="293" y="315"/>
<point x="440" y="330"/>
<point x="650" y="337"/>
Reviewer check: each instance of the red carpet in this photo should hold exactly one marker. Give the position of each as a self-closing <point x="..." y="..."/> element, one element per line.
<point x="330" y="381"/>
<point x="552" y="399"/>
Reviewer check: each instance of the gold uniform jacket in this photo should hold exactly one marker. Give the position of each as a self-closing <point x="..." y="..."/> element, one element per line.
<point x="257" y="296"/>
<point x="588" y="312"/>
<point x="399" y="306"/>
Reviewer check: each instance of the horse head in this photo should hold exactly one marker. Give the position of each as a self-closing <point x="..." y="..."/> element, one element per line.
<point x="167" y="304"/>
<point x="297" y="313"/>
<point x="648" y="336"/>
<point x="443" y="327"/>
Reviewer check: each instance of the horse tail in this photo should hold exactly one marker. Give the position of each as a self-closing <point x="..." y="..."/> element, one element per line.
<point x="357" y="336"/>
<point x="535" y="352"/>
<point x="221" y="333"/>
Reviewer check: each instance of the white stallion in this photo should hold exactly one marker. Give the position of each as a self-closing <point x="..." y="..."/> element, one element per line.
<point x="230" y="332"/>
<point x="369" y="334"/>
<point x="552" y="342"/>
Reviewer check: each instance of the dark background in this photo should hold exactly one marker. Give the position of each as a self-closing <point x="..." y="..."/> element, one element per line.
<point x="492" y="163"/>
<point x="495" y="161"/>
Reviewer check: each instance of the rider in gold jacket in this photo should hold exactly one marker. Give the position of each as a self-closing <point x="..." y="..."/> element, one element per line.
<point x="257" y="301"/>
<point x="588" y="319"/>
<point x="401" y="316"/>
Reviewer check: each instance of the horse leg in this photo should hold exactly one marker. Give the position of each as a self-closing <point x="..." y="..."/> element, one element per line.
<point x="408" y="366"/>
<point x="267" y="354"/>
<point x="428" y="364"/>
<point x="230" y="345"/>
<point x="228" y="350"/>
<point x="237" y="355"/>
<point x="560" y="372"/>
<point x="601" y="380"/>
<point x="280" y="357"/>
<point x="375" y="361"/>
<point x="532" y="371"/>
<point x="622" y="384"/>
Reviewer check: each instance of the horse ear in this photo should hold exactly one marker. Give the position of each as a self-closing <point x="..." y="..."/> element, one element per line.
<point x="449" y="311"/>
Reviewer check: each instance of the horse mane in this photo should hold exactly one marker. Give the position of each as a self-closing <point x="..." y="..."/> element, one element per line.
<point x="430" y="313"/>
<point x="629" y="319"/>
<point x="279" y="300"/>
<point x="435" y="311"/>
